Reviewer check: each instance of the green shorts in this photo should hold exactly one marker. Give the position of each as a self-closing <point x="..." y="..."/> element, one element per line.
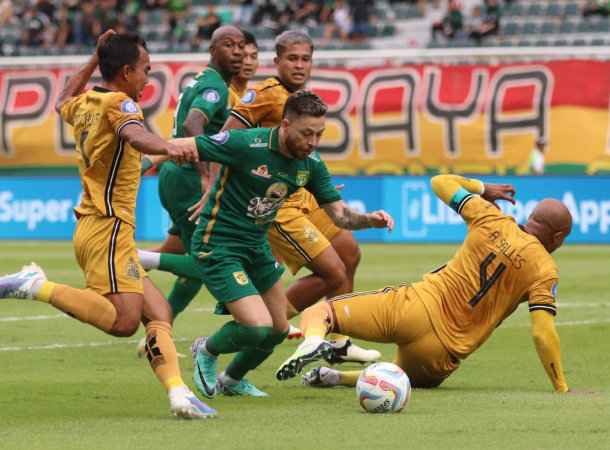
<point x="179" y="189"/>
<point x="231" y="273"/>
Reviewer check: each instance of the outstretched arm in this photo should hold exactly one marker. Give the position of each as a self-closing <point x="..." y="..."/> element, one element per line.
<point x="549" y="350"/>
<point x="349" y="219"/>
<point x="451" y="189"/>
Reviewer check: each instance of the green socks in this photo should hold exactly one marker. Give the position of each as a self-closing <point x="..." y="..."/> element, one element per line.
<point x="253" y="356"/>
<point x="183" y="292"/>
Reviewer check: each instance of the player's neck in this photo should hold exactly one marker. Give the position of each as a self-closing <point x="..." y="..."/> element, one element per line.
<point x="240" y="84"/>
<point x="281" y="137"/>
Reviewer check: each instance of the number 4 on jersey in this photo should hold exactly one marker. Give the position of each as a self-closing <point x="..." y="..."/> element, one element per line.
<point x="487" y="283"/>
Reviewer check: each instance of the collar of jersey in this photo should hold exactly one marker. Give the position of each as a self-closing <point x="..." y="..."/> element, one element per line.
<point x="274" y="139"/>
<point x="214" y="69"/>
<point x="101" y="89"/>
<point x="283" y="84"/>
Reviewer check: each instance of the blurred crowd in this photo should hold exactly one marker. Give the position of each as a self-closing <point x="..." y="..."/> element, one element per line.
<point x="483" y="20"/>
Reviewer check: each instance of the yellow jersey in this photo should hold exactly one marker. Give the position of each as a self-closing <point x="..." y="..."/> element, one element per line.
<point x="234" y="95"/>
<point x="109" y="167"/>
<point x="497" y="267"/>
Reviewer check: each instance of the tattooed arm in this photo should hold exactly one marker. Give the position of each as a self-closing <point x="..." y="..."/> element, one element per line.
<point x="349" y="219"/>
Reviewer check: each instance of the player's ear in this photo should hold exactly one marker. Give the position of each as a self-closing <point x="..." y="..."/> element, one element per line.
<point x="213" y="50"/>
<point x="276" y="61"/>
<point x="125" y="71"/>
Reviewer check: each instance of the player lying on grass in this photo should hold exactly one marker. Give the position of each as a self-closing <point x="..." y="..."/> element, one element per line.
<point x="443" y="319"/>
<point x="261" y="168"/>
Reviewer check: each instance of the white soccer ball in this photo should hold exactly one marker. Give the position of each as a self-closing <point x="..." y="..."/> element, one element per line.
<point x="383" y="388"/>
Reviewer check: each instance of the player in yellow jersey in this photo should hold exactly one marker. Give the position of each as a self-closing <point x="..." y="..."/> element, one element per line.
<point x="110" y="139"/>
<point x="443" y="319"/>
<point x="302" y="233"/>
<point x="239" y="82"/>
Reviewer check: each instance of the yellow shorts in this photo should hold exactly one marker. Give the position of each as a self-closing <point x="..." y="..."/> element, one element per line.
<point x="397" y="314"/>
<point x="106" y="251"/>
<point x="301" y="230"/>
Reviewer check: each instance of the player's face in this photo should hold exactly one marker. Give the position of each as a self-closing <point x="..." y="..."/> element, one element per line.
<point x="294" y="66"/>
<point x="302" y="135"/>
<point x="138" y="77"/>
<point x="229" y="52"/>
<point x="250" y="64"/>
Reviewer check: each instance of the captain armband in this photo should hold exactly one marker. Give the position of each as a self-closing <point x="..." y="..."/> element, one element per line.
<point x="459" y="199"/>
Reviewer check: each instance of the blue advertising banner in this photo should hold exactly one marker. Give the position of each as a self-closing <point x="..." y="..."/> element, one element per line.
<point x="41" y="207"/>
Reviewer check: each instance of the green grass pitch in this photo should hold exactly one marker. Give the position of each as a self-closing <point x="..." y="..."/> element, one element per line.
<point x="65" y="385"/>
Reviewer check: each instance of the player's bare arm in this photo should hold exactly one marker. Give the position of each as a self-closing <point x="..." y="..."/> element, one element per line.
<point x="76" y="84"/>
<point x="149" y="144"/>
<point x="349" y="219"/>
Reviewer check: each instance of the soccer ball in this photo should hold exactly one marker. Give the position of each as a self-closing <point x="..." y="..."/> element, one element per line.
<point x="383" y="388"/>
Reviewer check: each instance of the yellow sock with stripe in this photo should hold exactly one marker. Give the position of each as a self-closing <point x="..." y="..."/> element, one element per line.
<point x="350" y="378"/>
<point x="316" y="320"/>
<point x="84" y="305"/>
<point x="162" y="355"/>
<point x="337" y="337"/>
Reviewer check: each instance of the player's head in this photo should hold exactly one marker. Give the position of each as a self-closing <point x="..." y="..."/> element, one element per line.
<point x="551" y="223"/>
<point x="227" y="50"/>
<point x="541" y="144"/>
<point x="250" y="62"/>
<point x="124" y="61"/>
<point x="294" y="50"/>
<point x="303" y="123"/>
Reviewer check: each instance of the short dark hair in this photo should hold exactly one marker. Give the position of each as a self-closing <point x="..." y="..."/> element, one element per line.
<point x="118" y="51"/>
<point x="291" y="37"/>
<point x="249" y="37"/>
<point x="304" y="103"/>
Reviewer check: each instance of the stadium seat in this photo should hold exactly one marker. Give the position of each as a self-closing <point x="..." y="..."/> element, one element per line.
<point x="412" y="12"/>
<point x="513" y="10"/>
<point x="534" y="10"/>
<point x="602" y="26"/>
<point x="542" y="43"/>
<point x="565" y="27"/>
<point x="317" y="32"/>
<point x="598" y="41"/>
<point x="583" y="26"/>
<point x="560" y="43"/>
<point x="547" y="27"/>
<point x="579" y="42"/>
<point x="524" y="43"/>
<point x="529" y="28"/>
<point x="388" y="30"/>
<point x="154" y="17"/>
<point x="507" y="43"/>
<point x="509" y="29"/>
<point x="381" y="12"/>
<point x="553" y="9"/>
<point x="571" y="9"/>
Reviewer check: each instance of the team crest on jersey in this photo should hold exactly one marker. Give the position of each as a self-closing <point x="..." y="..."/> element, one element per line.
<point x="211" y="96"/>
<point x="129" y="107"/>
<point x="248" y="97"/>
<point x="302" y="177"/>
<point x="310" y="234"/>
<point x="258" y="143"/>
<point x="554" y="290"/>
<point x="262" y="171"/>
<point x="240" y="277"/>
<point x="132" y="270"/>
<point x="220" y="138"/>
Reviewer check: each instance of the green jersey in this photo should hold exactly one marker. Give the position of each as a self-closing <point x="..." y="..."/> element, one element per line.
<point x="207" y="93"/>
<point x="254" y="182"/>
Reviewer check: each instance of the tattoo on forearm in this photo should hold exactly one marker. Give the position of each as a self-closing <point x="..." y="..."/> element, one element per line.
<point x="353" y="220"/>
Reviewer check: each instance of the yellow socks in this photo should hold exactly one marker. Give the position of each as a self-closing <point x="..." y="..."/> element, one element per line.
<point x="316" y="320"/>
<point x="162" y="355"/>
<point x="84" y="305"/>
<point x="291" y="311"/>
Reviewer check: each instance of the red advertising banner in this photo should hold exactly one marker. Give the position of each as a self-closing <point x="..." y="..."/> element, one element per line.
<point x="412" y="119"/>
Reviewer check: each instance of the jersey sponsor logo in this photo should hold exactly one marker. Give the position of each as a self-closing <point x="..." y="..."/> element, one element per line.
<point x="248" y="97"/>
<point x="263" y="209"/>
<point x="554" y="290"/>
<point x="129" y="107"/>
<point x="258" y="143"/>
<point x="241" y="278"/>
<point x="262" y="171"/>
<point x="220" y="138"/>
<point x="282" y="174"/>
<point x="314" y="157"/>
<point x="132" y="270"/>
<point x="211" y="96"/>
<point x="302" y="177"/>
<point x="310" y="234"/>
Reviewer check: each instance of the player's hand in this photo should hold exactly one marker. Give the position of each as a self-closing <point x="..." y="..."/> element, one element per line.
<point x="498" y="191"/>
<point x="183" y="154"/>
<point x="103" y="38"/>
<point x="381" y="219"/>
<point x="579" y="391"/>
<point x="340" y="186"/>
<point x="197" y="207"/>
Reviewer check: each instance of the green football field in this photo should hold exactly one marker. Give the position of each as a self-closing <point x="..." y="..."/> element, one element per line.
<point x="65" y="385"/>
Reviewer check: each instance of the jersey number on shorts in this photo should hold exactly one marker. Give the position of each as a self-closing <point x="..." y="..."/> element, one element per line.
<point x="487" y="283"/>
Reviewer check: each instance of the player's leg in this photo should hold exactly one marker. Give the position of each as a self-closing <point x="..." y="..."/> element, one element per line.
<point x="266" y="276"/>
<point x="223" y="272"/>
<point x="161" y="353"/>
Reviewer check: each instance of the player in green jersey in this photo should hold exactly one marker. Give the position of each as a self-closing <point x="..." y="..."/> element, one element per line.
<point x="202" y="108"/>
<point x="261" y="168"/>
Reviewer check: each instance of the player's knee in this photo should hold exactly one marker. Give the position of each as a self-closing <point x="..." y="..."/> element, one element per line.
<point x="125" y="327"/>
<point x="252" y="335"/>
<point x="335" y="276"/>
